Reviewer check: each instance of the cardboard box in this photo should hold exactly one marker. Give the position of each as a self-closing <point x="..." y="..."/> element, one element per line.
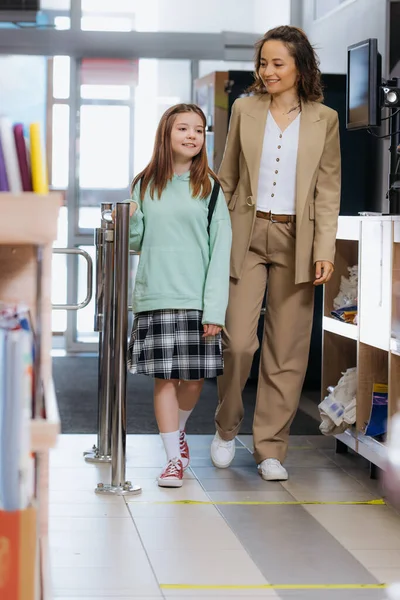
<point x="18" y="559"/>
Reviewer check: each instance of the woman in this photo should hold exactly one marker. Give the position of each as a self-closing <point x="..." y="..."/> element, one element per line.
<point x="281" y="178"/>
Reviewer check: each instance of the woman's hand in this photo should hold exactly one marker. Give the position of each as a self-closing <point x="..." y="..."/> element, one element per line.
<point x="323" y="271"/>
<point x="211" y="330"/>
<point x="132" y="209"/>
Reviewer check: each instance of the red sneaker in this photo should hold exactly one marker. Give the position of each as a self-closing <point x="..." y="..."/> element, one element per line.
<point x="172" y="474"/>
<point x="184" y="448"/>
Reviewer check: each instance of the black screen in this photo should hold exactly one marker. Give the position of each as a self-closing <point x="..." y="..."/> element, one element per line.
<point x="363" y="81"/>
<point x="359" y="85"/>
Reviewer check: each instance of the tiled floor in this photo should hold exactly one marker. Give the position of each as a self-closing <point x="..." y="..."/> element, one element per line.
<point x="225" y="533"/>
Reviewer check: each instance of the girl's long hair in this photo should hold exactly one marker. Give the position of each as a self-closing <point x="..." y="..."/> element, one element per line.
<point x="309" y="87"/>
<point x="160" y="168"/>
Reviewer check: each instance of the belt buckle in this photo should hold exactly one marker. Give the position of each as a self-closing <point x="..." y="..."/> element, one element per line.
<point x="271" y="219"/>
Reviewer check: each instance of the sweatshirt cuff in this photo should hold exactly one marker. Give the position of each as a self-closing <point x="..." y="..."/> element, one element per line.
<point x="213" y="319"/>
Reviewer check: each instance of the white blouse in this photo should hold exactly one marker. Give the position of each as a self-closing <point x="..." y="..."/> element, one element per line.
<point x="277" y="175"/>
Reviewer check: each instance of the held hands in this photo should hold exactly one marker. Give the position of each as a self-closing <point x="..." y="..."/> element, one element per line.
<point x="211" y="330"/>
<point x="132" y="209"/>
<point x="323" y="271"/>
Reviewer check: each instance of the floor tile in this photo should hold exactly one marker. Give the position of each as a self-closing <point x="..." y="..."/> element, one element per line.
<point x="360" y="527"/>
<point x="102" y="582"/>
<point x="267" y="495"/>
<point x="384" y="559"/>
<point x="92" y="554"/>
<point x="386" y="575"/>
<point x="238" y="484"/>
<point x="81" y="497"/>
<point x="191" y="490"/>
<point x="92" y="526"/>
<point x="205" y="566"/>
<point x="322" y="441"/>
<point x="234" y="472"/>
<point x="186" y="533"/>
<point x="332" y="594"/>
<point x="166" y="511"/>
<point x="82" y="509"/>
<point x="274" y="535"/>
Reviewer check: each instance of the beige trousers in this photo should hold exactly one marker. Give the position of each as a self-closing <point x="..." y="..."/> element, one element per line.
<point x="285" y="346"/>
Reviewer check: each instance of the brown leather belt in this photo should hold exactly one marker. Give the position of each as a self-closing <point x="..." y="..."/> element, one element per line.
<point x="276" y="218"/>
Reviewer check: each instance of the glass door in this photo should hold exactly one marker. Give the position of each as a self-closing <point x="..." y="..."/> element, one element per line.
<point x="118" y="107"/>
<point x="104" y="160"/>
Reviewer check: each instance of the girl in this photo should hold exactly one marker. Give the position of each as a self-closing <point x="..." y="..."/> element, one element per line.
<point x="181" y="288"/>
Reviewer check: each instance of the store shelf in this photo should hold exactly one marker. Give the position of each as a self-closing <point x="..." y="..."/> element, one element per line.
<point x="29" y="218"/>
<point x="395" y="346"/>
<point x="368" y="447"/>
<point x="349" y="228"/>
<point x="44" y="432"/>
<point x="346" y="330"/>
<point x="46" y="587"/>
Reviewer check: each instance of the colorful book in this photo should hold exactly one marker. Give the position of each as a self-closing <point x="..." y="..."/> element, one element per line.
<point x="10" y="156"/>
<point x="3" y="172"/>
<point x="39" y="171"/>
<point x="22" y="156"/>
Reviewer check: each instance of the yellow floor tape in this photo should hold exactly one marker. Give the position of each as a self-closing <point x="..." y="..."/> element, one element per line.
<point x="279" y="586"/>
<point x="378" y="502"/>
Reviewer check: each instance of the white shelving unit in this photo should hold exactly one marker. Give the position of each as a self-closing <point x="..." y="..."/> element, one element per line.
<point x="372" y="243"/>
<point x="28" y="229"/>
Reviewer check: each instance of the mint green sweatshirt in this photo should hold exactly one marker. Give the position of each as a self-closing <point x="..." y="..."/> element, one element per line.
<point x="181" y="266"/>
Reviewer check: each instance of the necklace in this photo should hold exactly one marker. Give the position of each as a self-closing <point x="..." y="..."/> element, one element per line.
<point x="292" y="109"/>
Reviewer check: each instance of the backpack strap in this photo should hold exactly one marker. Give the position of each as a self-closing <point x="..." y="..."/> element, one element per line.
<point x="213" y="201"/>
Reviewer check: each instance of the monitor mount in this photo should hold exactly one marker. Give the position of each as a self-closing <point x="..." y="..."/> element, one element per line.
<point x="390" y="98"/>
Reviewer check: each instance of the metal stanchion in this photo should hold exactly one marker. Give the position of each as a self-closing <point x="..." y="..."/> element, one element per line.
<point x="103" y="323"/>
<point x="119" y="486"/>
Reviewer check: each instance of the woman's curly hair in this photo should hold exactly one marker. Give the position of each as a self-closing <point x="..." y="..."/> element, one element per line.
<point x="307" y="63"/>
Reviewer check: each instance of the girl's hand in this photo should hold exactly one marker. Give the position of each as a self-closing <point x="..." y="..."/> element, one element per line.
<point x="323" y="272"/>
<point x="211" y="330"/>
<point x="132" y="209"/>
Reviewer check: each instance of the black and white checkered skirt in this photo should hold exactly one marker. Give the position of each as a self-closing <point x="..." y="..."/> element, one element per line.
<point x="168" y="344"/>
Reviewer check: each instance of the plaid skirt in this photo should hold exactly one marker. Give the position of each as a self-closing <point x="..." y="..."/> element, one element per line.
<point x="168" y="344"/>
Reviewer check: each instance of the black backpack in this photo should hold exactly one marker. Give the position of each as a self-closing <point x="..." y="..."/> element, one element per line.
<point x="213" y="201"/>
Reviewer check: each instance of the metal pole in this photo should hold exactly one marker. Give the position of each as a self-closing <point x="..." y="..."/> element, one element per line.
<point x="104" y="325"/>
<point x="119" y="485"/>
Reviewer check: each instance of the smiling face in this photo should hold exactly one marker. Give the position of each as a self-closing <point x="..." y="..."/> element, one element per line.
<point x="187" y="136"/>
<point x="277" y="68"/>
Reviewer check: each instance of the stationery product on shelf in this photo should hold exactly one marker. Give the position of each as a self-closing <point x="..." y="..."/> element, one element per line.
<point x="346" y="314"/>
<point x="22" y="156"/>
<point x="22" y="161"/>
<point x="3" y="171"/>
<point x="338" y="408"/>
<point x="39" y="172"/>
<point x="345" y="303"/>
<point x="10" y="156"/>
<point x="16" y="393"/>
<point x="377" y="424"/>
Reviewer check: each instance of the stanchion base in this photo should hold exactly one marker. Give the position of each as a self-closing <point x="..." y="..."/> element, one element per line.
<point x="93" y="456"/>
<point x="118" y="490"/>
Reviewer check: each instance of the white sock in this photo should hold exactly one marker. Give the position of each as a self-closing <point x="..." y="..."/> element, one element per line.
<point x="171" y="444"/>
<point x="183" y="417"/>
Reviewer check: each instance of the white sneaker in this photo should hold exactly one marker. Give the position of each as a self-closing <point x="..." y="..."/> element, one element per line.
<point x="271" y="469"/>
<point x="222" y="452"/>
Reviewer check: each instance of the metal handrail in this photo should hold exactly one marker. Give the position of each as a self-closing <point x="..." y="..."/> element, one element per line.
<point x="89" y="278"/>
